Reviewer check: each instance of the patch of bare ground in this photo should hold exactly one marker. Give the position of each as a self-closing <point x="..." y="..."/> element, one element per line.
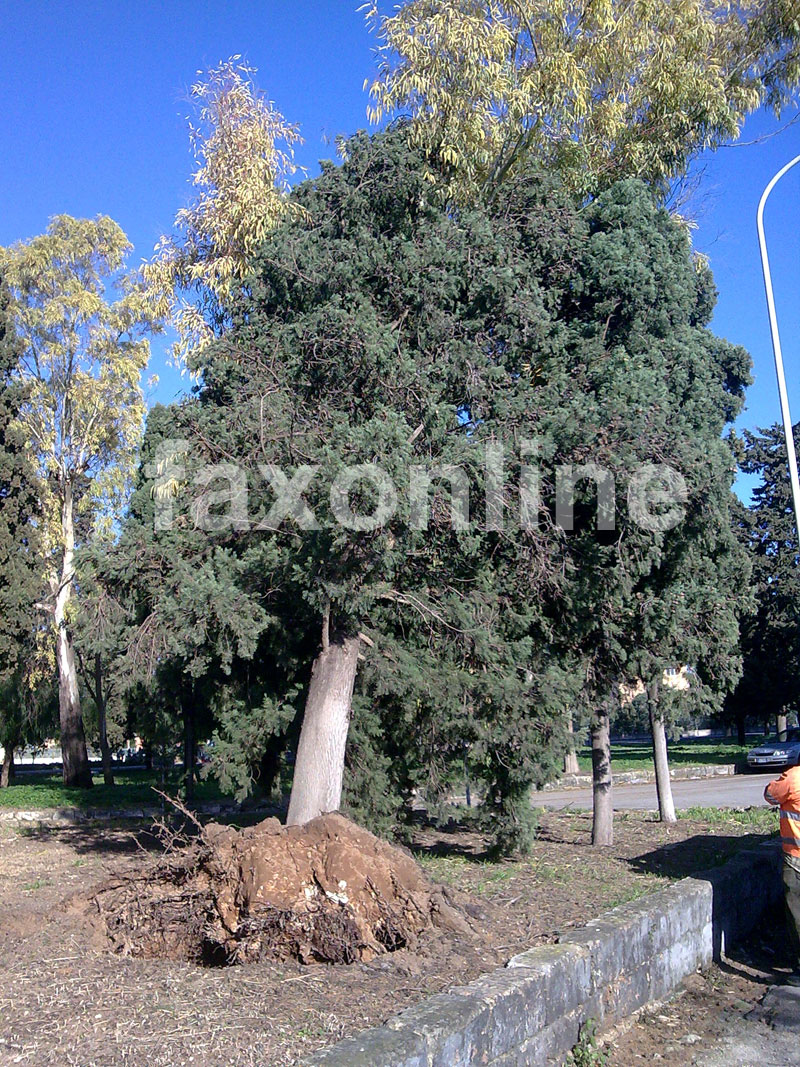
<point x="65" y="999"/>
<point x="706" y="1006"/>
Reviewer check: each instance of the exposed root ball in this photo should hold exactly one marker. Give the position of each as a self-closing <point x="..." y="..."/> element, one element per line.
<point x="324" y="892"/>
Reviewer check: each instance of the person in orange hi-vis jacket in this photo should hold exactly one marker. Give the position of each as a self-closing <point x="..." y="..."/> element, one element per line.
<point x="784" y="793"/>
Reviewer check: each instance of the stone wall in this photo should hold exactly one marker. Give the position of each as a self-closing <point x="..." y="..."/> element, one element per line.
<point x="531" y="1011"/>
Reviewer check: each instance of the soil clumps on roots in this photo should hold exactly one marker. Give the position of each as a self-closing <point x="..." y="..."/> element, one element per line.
<point x="326" y="892"/>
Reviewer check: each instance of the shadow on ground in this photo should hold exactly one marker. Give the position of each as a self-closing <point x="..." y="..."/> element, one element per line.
<point x="698" y="853"/>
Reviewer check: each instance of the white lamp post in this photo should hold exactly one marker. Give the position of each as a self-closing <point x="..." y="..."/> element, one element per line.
<point x="776" y="346"/>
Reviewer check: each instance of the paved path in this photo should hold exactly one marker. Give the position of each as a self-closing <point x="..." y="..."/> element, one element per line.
<point x="737" y="791"/>
<point x="768" y="1037"/>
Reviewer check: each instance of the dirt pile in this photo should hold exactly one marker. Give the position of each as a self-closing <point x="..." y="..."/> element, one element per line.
<point x="324" y="892"/>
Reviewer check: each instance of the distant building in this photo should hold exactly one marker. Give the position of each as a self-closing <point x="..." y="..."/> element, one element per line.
<point x="673" y="677"/>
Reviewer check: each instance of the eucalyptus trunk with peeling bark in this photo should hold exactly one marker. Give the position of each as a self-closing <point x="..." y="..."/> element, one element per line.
<point x="602" y="784"/>
<point x="666" y="806"/>
<point x="319" y="767"/>
<point x="73" y="740"/>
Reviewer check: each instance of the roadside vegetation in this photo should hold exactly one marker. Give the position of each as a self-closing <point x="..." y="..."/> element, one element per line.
<point x="131" y="790"/>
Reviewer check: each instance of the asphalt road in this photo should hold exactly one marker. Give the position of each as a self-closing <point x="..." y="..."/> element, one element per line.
<point x="736" y="791"/>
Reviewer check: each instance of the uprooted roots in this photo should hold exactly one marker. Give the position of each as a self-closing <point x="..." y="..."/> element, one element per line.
<point x="324" y="892"/>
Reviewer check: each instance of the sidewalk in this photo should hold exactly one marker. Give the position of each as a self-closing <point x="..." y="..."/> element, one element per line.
<point x="648" y="776"/>
<point x="768" y="1037"/>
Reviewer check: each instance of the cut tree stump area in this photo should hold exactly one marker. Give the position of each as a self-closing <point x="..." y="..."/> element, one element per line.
<point x="66" y="998"/>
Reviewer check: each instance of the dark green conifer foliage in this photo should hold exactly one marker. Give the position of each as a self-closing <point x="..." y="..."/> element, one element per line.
<point x="388" y="331"/>
<point x="384" y="329"/>
<point x="647" y="383"/>
<point x="771" y="635"/>
<point x="20" y="566"/>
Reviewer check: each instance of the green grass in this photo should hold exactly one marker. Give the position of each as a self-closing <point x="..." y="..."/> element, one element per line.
<point x="761" y="820"/>
<point x="483" y="876"/>
<point x="700" y="750"/>
<point x="39" y="883"/>
<point x="132" y="789"/>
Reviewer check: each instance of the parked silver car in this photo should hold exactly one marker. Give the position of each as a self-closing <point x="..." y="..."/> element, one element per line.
<point x="776" y="753"/>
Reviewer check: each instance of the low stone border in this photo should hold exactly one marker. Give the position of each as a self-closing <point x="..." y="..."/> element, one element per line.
<point x="56" y="817"/>
<point x="52" y="818"/>
<point x="531" y="1011"/>
<point x="704" y="770"/>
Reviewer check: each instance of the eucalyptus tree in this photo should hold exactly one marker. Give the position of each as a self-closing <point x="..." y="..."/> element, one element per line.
<point x="83" y="330"/>
<point x="603" y="91"/>
<point x="243" y="149"/>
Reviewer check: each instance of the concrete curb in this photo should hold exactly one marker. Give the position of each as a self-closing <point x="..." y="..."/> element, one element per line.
<point x="57" y="817"/>
<point x="531" y="1011"/>
<point x="54" y="818"/>
<point x="704" y="770"/>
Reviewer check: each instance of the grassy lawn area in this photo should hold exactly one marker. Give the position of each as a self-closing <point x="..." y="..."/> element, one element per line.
<point x="630" y="756"/>
<point x="712" y="836"/>
<point x="132" y="789"/>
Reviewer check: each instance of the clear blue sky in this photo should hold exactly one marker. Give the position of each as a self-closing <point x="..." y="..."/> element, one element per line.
<point x="92" y="120"/>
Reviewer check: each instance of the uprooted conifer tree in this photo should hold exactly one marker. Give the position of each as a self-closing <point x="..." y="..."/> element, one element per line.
<point x="385" y="334"/>
<point x="386" y="341"/>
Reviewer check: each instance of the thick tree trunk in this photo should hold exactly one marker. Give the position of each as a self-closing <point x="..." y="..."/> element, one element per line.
<point x="666" y="807"/>
<point x="7" y="773"/>
<point x="571" y="765"/>
<point x="73" y="740"/>
<point x="100" y="701"/>
<point x="602" y="791"/>
<point x="783" y="726"/>
<point x="319" y="767"/>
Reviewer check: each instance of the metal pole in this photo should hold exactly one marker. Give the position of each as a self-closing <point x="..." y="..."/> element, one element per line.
<point x="776" y="347"/>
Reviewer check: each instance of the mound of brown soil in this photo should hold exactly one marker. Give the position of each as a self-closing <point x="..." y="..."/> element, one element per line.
<point x="324" y="892"/>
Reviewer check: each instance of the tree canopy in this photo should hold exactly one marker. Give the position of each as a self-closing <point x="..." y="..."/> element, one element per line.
<point x="243" y="150"/>
<point x="382" y="334"/>
<point x="604" y="90"/>
<point x="771" y="634"/>
<point x="81" y="360"/>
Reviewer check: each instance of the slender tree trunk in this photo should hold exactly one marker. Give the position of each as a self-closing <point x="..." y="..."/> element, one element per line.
<point x="782" y="725"/>
<point x="666" y="807"/>
<point x="269" y="766"/>
<point x="7" y="773"/>
<point x="100" y="701"/>
<point x="740" y="728"/>
<point x="571" y="765"/>
<point x="189" y="743"/>
<point x="73" y="740"/>
<point x="319" y="767"/>
<point x="602" y="790"/>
